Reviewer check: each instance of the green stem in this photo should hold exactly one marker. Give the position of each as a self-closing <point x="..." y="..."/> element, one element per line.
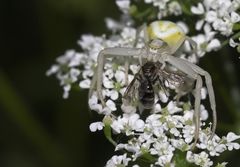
<point x="185" y="8"/>
<point x="235" y="36"/>
<point x="108" y="130"/>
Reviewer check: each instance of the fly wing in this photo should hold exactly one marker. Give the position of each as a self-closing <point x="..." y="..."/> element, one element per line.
<point x="176" y="79"/>
<point x="173" y="79"/>
<point x="130" y="96"/>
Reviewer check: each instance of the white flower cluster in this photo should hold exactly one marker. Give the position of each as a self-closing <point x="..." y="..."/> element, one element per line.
<point x="235" y="44"/>
<point x="67" y="70"/>
<point x="165" y="7"/>
<point x="221" y="16"/>
<point x="74" y="67"/>
<point x="163" y="132"/>
<point x="161" y="135"/>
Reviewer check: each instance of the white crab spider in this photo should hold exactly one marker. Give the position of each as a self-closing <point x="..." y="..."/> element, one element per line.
<point x="162" y="40"/>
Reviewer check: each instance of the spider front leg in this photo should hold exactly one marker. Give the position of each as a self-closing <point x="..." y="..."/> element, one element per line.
<point x="193" y="43"/>
<point x="105" y="53"/>
<point x="194" y="72"/>
<point x="210" y="93"/>
<point x="142" y="28"/>
<point x="197" y="114"/>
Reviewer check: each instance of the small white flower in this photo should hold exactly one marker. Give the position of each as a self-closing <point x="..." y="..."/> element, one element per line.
<point x="148" y="1"/>
<point x="107" y="83"/>
<point x="180" y="144"/>
<point x="120" y="77"/>
<point x="232" y="43"/>
<point x="174" y="131"/>
<point x="163" y="97"/>
<point x="87" y="73"/>
<point x="74" y="73"/>
<point x="96" y="126"/>
<point x="172" y="107"/>
<point x="235" y="17"/>
<point x="76" y="59"/>
<point x="199" y="24"/>
<point x="127" y="108"/>
<point x="85" y="84"/>
<point x="203" y="93"/>
<point x="113" y="25"/>
<point x="164" y="150"/>
<point x="211" y="16"/>
<point x="213" y="45"/>
<point x="66" y="89"/>
<point x="52" y="70"/>
<point x="204" y="113"/>
<point x="201" y="159"/>
<point x="134" y="68"/>
<point x="111" y="105"/>
<point x="231" y="137"/>
<point x="232" y="145"/>
<point x="109" y="73"/>
<point x="135" y="166"/>
<point x="174" y="8"/>
<point x="188" y="132"/>
<point x="93" y="104"/>
<point x="157" y="108"/>
<point x="114" y="95"/>
<point x="164" y="159"/>
<point x="128" y="34"/>
<point x="121" y="160"/>
<point x="197" y="10"/>
<point x="133" y="123"/>
<point x="117" y="126"/>
<point x="123" y="5"/>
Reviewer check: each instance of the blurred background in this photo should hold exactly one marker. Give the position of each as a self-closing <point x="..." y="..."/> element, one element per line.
<point x="40" y="129"/>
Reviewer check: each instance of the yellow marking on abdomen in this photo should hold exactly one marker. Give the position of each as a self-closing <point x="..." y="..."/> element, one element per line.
<point x="167" y="31"/>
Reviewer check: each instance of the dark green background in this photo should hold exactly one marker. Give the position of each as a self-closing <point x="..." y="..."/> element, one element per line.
<point x="37" y="127"/>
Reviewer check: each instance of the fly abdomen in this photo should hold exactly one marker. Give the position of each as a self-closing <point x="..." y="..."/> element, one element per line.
<point x="146" y="95"/>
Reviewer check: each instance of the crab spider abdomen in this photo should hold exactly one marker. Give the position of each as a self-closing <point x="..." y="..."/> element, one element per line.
<point x="168" y="32"/>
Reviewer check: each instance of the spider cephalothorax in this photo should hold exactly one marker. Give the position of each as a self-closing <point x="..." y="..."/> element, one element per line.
<point x="162" y="40"/>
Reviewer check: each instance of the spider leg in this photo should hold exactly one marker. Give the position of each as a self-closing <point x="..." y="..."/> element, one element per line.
<point x="181" y="65"/>
<point x="126" y="67"/>
<point x="93" y="84"/>
<point x="210" y="94"/>
<point x="197" y="108"/>
<point x="194" y="71"/>
<point x="193" y="43"/>
<point x="142" y="28"/>
<point x="110" y="52"/>
<point x="184" y="89"/>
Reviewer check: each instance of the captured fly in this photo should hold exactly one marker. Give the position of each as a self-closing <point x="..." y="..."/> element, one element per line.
<point x="147" y="82"/>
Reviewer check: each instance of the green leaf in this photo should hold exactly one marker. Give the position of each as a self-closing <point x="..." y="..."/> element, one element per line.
<point x="186" y="106"/>
<point x="185" y="7"/>
<point x="180" y="159"/>
<point x="236" y="26"/>
<point x="146" y="159"/>
<point x="108" y="130"/>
